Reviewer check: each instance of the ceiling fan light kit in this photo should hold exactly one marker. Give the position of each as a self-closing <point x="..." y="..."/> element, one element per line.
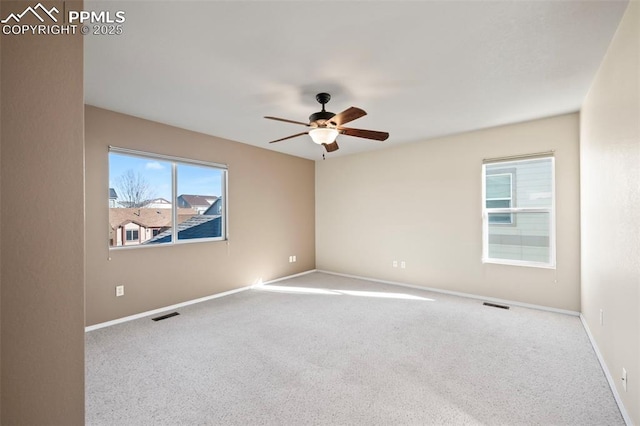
<point x="326" y="126"/>
<point x="322" y="135"/>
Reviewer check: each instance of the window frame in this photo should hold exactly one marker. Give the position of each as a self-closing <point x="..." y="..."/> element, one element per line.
<point x="174" y="161"/>
<point x="551" y="210"/>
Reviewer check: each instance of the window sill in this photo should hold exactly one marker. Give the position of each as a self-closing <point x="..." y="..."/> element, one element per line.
<point x="169" y="244"/>
<point x="519" y="263"/>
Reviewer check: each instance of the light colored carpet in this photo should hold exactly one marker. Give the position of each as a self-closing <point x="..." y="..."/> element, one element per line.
<point x="323" y="349"/>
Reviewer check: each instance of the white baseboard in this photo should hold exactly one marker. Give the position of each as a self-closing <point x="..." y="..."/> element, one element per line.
<point x="607" y="373"/>
<point x="310" y="271"/>
<point x="188" y="302"/>
<point x="460" y="294"/>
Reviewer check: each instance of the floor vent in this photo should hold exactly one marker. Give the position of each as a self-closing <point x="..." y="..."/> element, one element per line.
<point x="172" y="314"/>
<point x="493" y="305"/>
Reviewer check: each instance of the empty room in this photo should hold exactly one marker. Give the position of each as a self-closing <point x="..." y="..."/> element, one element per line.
<point x="305" y="212"/>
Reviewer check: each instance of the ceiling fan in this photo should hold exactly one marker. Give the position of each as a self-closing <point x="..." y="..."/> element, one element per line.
<point x="326" y="126"/>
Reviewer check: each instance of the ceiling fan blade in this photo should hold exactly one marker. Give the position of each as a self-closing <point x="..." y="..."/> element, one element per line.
<point x="347" y="115"/>
<point x="367" y="134"/>
<point x="330" y="147"/>
<point x="287" y="121"/>
<point x="289" y="137"/>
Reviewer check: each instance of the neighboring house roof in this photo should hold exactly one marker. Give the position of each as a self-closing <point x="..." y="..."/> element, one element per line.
<point x="127" y="204"/>
<point x="152" y="203"/>
<point x="112" y="194"/>
<point x="187" y="200"/>
<point x="149" y="218"/>
<point x="215" y="208"/>
<point x="159" y="201"/>
<point x="200" y="226"/>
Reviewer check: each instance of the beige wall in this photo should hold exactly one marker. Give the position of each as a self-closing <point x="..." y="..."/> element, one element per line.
<point x="42" y="262"/>
<point x="610" y="193"/>
<point x="421" y="203"/>
<point x="271" y="216"/>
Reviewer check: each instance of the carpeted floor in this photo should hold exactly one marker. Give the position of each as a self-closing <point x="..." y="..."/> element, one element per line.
<point x="323" y="349"/>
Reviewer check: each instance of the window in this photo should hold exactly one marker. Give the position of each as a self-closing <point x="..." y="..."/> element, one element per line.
<point x="170" y="199"/>
<point x="518" y="212"/>
<point x="132" y="235"/>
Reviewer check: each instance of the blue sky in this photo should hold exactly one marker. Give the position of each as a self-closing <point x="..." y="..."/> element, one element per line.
<point x="195" y="180"/>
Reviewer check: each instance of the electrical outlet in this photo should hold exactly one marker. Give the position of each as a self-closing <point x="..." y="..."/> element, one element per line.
<point x="119" y="290"/>
<point x="294" y="258"/>
<point x="395" y="263"/>
<point x="601" y="317"/>
<point x="624" y="379"/>
<point x="403" y="264"/>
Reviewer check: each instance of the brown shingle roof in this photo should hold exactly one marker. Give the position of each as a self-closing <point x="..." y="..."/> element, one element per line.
<point x="149" y="218"/>
<point x="198" y="200"/>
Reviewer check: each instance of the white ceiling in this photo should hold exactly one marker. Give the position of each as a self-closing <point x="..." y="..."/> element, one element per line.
<point x="420" y="69"/>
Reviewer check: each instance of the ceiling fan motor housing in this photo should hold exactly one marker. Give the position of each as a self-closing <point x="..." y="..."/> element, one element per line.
<point x="321" y="117"/>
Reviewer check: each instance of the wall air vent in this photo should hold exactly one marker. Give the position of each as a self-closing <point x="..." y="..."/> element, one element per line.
<point x="494" y="305"/>
<point x="172" y="314"/>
